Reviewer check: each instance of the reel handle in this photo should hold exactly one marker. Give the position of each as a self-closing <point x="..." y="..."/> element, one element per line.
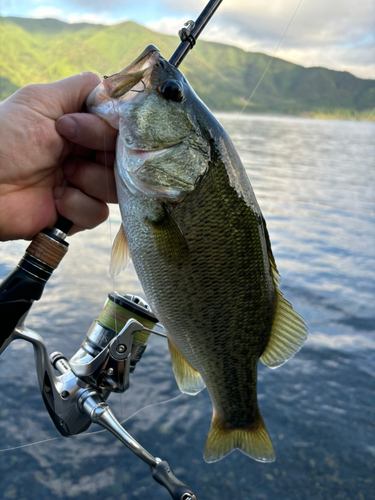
<point x="163" y="474"/>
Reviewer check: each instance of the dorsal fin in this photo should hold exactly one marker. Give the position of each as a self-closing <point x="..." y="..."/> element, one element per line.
<point x="120" y="255"/>
<point x="289" y="330"/>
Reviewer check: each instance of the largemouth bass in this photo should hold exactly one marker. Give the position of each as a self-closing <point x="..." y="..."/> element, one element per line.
<point x="200" y="247"/>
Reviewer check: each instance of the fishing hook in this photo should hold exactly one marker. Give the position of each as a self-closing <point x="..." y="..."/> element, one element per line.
<point x="140" y="91"/>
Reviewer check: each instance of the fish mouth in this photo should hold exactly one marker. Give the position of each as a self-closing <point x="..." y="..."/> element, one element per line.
<point x="136" y="77"/>
<point x="120" y="83"/>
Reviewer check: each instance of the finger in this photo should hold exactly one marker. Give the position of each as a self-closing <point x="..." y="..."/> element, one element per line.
<point x="72" y="150"/>
<point x="75" y="229"/>
<point x="81" y="151"/>
<point x="78" y="207"/>
<point x="61" y="97"/>
<point x="70" y="93"/>
<point x="93" y="179"/>
<point x="87" y="130"/>
<point x="106" y="158"/>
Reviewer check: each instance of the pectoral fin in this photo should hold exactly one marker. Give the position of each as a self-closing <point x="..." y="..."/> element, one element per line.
<point x="188" y="380"/>
<point x="168" y="237"/>
<point x="120" y="255"/>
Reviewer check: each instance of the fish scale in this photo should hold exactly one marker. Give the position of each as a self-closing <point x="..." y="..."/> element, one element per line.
<point x="200" y="247"/>
<point x="221" y="314"/>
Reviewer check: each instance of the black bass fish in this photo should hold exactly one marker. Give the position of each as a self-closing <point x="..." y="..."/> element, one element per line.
<point x="200" y="247"/>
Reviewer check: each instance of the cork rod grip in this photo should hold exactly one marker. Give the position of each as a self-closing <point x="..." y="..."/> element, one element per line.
<point x="47" y="250"/>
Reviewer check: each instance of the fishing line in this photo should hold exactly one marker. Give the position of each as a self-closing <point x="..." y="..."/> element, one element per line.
<point x="30" y="444"/>
<point x="110" y="225"/>
<point x="270" y="61"/>
<point x="370" y="114"/>
<point x="3" y="450"/>
<point x="110" y="239"/>
<point x="264" y="74"/>
<point x="107" y="186"/>
<point x="150" y="406"/>
<point x="97" y="73"/>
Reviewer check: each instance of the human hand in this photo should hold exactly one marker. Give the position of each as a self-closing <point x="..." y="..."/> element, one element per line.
<point x="54" y="159"/>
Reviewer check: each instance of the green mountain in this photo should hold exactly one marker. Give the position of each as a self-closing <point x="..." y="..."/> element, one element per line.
<point x="43" y="50"/>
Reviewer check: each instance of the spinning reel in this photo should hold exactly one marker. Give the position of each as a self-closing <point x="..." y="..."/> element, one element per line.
<point x="75" y="391"/>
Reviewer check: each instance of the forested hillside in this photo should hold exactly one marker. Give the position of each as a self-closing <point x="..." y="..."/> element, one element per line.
<point x="43" y="50"/>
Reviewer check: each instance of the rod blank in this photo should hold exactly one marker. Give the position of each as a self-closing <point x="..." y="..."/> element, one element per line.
<point x="186" y="45"/>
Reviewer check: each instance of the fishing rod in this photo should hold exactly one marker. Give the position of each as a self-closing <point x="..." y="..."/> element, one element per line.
<point x="75" y="391"/>
<point x="191" y="32"/>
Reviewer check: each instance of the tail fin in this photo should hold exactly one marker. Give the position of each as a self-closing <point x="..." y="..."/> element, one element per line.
<point x="254" y="441"/>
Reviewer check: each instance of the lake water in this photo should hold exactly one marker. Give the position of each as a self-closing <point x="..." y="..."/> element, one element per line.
<point x="315" y="183"/>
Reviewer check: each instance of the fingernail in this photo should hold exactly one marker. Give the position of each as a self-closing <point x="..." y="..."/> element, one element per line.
<point x="70" y="168"/>
<point x="67" y="127"/>
<point x="58" y="192"/>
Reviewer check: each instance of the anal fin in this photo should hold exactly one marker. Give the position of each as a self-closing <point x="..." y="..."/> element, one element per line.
<point x="188" y="379"/>
<point x="253" y="440"/>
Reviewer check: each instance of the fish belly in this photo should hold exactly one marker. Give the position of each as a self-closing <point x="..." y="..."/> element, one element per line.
<point x="207" y="278"/>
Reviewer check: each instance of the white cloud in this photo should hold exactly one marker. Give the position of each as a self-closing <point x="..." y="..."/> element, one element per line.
<point x="99" y="18"/>
<point x="337" y="34"/>
<point x="47" y="11"/>
<point x="97" y="5"/>
<point x="167" y="25"/>
<point x="71" y="16"/>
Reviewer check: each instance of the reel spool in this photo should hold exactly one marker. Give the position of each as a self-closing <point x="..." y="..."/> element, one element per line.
<point x="118" y="310"/>
<point x="111" y="350"/>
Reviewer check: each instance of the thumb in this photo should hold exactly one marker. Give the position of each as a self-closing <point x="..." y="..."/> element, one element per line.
<point x="65" y="96"/>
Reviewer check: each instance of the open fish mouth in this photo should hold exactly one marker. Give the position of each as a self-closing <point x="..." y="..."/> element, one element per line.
<point x="139" y="71"/>
<point x="132" y="84"/>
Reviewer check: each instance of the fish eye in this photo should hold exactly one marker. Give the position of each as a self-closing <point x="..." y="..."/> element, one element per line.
<point x="172" y="91"/>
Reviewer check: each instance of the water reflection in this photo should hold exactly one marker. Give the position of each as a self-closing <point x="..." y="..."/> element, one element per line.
<point x="315" y="182"/>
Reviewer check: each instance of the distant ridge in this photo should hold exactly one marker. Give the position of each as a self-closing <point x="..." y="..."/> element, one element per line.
<point x="43" y="50"/>
<point x="48" y="25"/>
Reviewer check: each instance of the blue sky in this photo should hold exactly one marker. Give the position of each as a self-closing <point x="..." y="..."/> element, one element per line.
<point x="337" y="34"/>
